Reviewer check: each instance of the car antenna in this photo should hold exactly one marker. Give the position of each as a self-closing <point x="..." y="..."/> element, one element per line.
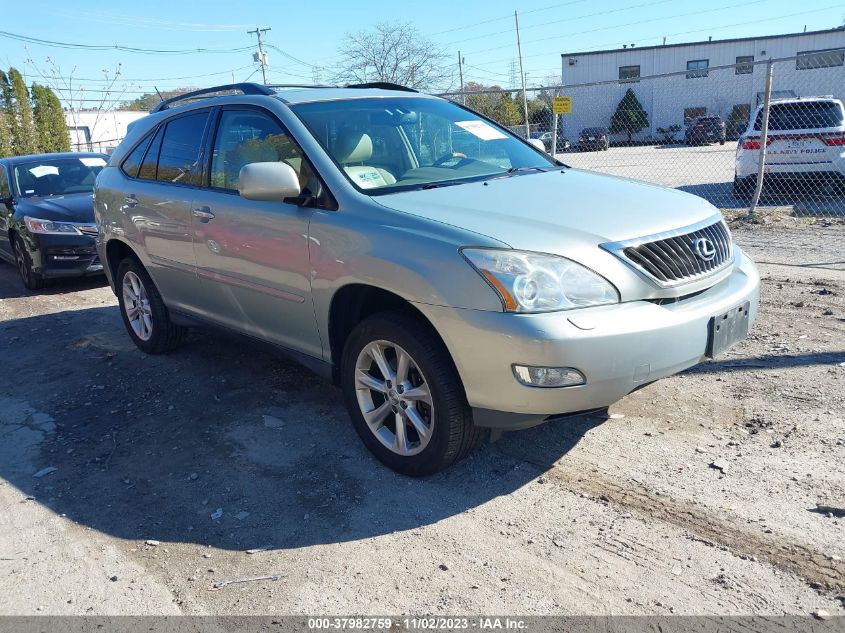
<point x="158" y="93"/>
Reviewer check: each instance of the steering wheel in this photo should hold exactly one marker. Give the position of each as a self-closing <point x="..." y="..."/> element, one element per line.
<point x="456" y="156"/>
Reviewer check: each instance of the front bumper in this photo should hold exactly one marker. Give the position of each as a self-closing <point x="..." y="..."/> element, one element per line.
<point x="618" y="348"/>
<point x="55" y="256"/>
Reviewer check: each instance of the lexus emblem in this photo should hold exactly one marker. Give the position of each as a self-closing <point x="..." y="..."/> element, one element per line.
<point x="704" y="249"/>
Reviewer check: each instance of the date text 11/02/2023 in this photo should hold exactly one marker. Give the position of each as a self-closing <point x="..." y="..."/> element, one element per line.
<point x="417" y="623"/>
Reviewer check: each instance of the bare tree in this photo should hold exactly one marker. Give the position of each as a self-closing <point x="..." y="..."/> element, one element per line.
<point x="101" y="101"/>
<point x="393" y="52"/>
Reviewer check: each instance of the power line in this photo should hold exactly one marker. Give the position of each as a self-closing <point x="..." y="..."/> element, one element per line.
<point x="128" y="49"/>
<point x="145" y="79"/>
<point x="629" y="24"/>
<point x="291" y="57"/>
<point x="144" y="22"/>
<point x="506" y="17"/>
<point x="567" y="20"/>
<point x="703" y="30"/>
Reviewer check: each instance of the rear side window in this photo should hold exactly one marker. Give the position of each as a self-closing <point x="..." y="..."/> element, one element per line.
<point x="132" y="163"/>
<point x="802" y="116"/>
<point x="179" y="157"/>
<point x="150" y="164"/>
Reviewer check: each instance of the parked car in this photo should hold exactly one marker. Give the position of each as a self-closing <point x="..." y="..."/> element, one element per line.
<point x="806" y="146"/>
<point x="47" y="225"/>
<point x="705" y="129"/>
<point x="546" y="137"/>
<point x="593" y="139"/>
<point x="450" y="277"/>
<point x="735" y="129"/>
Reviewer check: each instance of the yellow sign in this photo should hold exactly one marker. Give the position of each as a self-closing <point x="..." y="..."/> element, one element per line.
<point x="562" y="105"/>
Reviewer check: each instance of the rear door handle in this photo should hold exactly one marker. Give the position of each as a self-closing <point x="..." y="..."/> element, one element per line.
<point x="203" y="215"/>
<point x="130" y="200"/>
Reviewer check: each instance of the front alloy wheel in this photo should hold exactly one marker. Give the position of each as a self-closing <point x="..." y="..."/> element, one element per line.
<point x="404" y="395"/>
<point x="394" y="398"/>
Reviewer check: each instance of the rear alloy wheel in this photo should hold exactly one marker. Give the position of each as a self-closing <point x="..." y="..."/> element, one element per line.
<point x="23" y="262"/>
<point x="144" y="314"/>
<point x="405" y="397"/>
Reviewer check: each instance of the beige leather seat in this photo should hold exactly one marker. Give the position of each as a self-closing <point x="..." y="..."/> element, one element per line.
<point x="353" y="150"/>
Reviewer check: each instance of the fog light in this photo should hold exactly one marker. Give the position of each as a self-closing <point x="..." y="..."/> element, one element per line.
<point x="548" y="376"/>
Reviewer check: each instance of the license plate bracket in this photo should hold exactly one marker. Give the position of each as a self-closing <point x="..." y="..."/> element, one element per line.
<point x="724" y="330"/>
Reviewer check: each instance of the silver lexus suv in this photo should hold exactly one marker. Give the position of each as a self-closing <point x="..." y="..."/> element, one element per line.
<point x="449" y="276"/>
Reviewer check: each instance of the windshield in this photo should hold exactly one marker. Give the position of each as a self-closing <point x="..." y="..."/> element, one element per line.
<point x="391" y="144"/>
<point x="802" y="116"/>
<point x="57" y="176"/>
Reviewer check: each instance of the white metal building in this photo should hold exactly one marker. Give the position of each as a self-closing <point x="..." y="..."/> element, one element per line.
<point x="98" y="131"/>
<point x="693" y="80"/>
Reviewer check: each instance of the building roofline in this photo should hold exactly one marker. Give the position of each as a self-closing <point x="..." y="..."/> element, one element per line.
<point x="699" y="43"/>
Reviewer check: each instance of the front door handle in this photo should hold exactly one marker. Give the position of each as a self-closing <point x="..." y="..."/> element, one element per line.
<point x="203" y="215"/>
<point x="130" y="200"/>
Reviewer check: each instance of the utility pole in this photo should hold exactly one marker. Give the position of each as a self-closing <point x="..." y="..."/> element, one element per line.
<point x="461" y="73"/>
<point x="522" y="76"/>
<point x="261" y="57"/>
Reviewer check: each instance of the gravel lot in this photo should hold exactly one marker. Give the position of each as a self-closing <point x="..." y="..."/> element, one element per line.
<point x="168" y="469"/>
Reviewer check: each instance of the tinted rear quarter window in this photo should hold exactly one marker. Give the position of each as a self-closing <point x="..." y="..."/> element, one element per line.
<point x="132" y="163"/>
<point x="180" y="150"/>
<point x="802" y="116"/>
<point x="148" y="167"/>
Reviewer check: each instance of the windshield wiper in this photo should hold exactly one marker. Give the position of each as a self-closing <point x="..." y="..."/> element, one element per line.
<point x="514" y="170"/>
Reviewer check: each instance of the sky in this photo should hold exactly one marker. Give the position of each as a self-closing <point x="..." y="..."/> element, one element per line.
<point x="303" y="40"/>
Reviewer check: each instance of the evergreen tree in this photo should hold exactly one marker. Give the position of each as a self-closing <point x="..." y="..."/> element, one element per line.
<point x="630" y="117"/>
<point x="5" y="135"/>
<point x="19" y="112"/>
<point x="6" y="142"/>
<point x="50" y="126"/>
<point x="24" y="138"/>
<point x="58" y="123"/>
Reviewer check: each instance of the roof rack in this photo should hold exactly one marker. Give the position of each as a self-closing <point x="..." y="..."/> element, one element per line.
<point x="245" y="88"/>
<point x="300" y="86"/>
<point x="383" y="85"/>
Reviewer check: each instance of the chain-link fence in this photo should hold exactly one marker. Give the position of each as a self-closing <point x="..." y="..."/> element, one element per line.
<point x="763" y="136"/>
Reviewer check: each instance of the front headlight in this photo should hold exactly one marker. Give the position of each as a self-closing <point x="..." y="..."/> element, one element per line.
<point x="535" y="282"/>
<point x="50" y="227"/>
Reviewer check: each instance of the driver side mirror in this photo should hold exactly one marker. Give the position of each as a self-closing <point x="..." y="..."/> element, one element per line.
<point x="538" y="144"/>
<point x="273" y="181"/>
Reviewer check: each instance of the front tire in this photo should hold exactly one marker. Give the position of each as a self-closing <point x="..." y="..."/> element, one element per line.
<point x="145" y="316"/>
<point x="23" y="262"/>
<point x="404" y="395"/>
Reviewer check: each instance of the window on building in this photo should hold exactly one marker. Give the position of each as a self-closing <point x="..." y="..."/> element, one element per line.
<point x="744" y="65"/>
<point x="820" y="59"/>
<point x="692" y="113"/>
<point x="629" y="73"/>
<point x="697" y="68"/>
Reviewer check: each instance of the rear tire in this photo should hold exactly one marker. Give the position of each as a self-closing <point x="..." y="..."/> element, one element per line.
<point x="23" y="262"/>
<point x="744" y="187"/>
<point x="438" y="406"/>
<point x="145" y="316"/>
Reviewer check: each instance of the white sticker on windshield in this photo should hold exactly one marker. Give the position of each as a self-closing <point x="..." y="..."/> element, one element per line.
<point x="43" y="170"/>
<point x="482" y="130"/>
<point x="92" y="161"/>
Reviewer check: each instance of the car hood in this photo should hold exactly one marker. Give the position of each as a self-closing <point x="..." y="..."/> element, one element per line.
<point x="560" y="211"/>
<point x="78" y="207"/>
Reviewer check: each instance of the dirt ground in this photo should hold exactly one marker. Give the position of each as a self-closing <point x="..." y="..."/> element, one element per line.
<point x="718" y="491"/>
